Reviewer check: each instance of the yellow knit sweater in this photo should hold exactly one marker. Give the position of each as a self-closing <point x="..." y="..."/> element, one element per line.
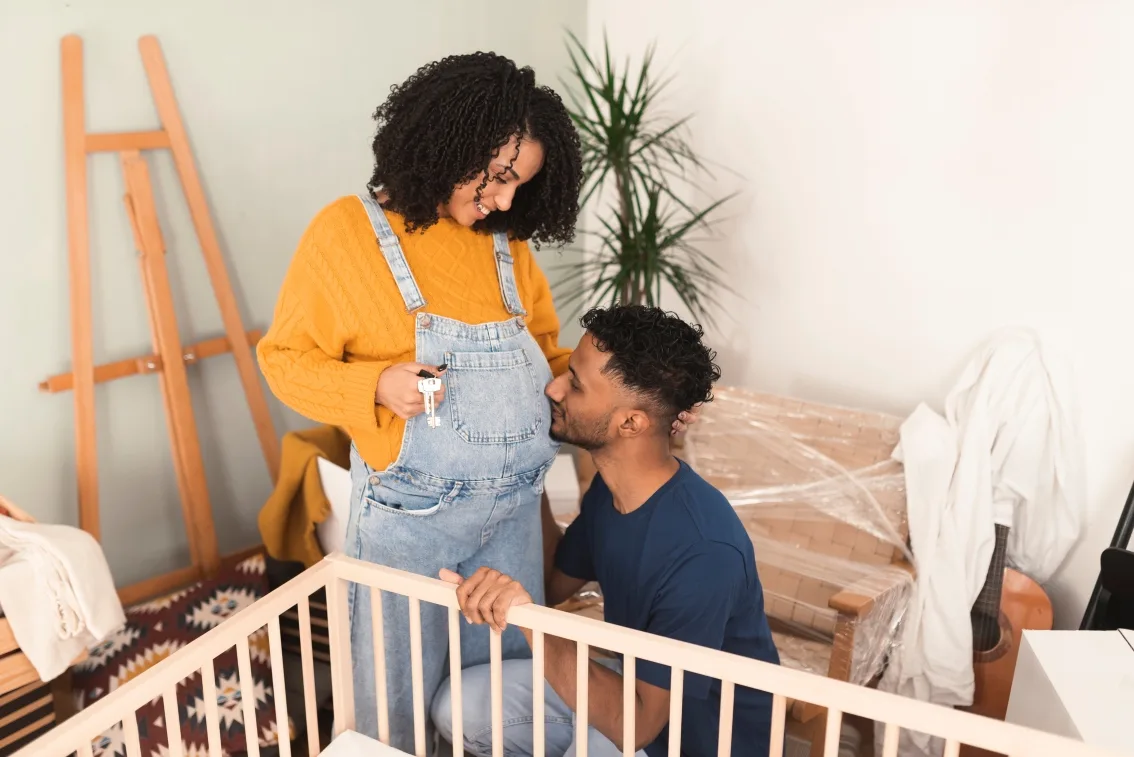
<point x="340" y="321"/>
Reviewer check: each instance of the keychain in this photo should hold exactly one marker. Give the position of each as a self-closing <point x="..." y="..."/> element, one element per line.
<point x="429" y="385"/>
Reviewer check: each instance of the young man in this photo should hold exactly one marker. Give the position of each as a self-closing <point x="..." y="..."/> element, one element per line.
<point x="667" y="549"/>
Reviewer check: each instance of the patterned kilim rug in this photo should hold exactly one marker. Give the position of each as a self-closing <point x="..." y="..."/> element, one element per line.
<point x="155" y="630"/>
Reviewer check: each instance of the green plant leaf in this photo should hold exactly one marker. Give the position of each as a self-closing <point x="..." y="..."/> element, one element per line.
<point x="644" y="240"/>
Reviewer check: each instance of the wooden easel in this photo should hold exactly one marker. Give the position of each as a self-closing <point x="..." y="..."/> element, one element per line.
<point x="170" y="357"/>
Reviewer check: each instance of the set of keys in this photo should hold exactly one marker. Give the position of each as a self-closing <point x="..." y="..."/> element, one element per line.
<point x="429" y="385"/>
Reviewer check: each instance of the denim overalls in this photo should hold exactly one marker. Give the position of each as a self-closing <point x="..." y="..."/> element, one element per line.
<point x="459" y="496"/>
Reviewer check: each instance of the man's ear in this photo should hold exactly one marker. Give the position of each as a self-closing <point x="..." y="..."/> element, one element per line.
<point x="634" y="423"/>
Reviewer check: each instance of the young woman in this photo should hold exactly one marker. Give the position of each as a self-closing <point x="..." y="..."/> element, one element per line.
<point x="429" y="270"/>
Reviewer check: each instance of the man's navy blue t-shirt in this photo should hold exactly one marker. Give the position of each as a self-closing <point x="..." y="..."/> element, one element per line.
<point x="680" y="566"/>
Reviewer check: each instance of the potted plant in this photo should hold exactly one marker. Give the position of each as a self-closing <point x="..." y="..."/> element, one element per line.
<point x="638" y="162"/>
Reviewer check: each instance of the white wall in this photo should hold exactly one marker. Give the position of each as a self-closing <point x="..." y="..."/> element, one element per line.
<point x="914" y="176"/>
<point x="278" y="113"/>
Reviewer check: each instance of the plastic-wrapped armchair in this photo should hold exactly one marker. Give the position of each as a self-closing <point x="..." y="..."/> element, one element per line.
<point x="825" y="506"/>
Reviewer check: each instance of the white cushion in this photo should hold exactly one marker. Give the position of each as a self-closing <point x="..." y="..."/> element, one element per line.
<point x="331" y="533"/>
<point x="562" y="485"/>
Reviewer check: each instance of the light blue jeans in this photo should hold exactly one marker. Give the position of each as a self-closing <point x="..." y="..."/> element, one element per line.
<point x="519" y="735"/>
<point x="421" y="534"/>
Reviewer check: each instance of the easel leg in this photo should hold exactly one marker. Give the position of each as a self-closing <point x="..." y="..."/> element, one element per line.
<point x="184" y="440"/>
<point x="82" y="351"/>
<point x="184" y="489"/>
<point x="170" y="116"/>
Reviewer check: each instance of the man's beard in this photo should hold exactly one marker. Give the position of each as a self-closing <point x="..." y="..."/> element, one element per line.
<point x="590" y="439"/>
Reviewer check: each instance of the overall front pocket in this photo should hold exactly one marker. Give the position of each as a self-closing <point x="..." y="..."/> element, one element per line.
<point x="387" y="500"/>
<point x="493" y="397"/>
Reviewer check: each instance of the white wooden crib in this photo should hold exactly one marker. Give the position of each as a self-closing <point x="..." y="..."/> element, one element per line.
<point x="891" y="712"/>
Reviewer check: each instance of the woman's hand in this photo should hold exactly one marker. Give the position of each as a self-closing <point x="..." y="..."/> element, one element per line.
<point x="686" y="419"/>
<point x="397" y="389"/>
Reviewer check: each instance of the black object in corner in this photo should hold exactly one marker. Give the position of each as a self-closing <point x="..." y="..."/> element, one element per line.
<point x="1112" y="602"/>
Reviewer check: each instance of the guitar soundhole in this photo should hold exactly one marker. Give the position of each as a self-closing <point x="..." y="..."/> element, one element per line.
<point x="1001" y="640"/>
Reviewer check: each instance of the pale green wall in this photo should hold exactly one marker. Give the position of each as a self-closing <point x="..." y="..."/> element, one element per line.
<point x="278" y="112"/>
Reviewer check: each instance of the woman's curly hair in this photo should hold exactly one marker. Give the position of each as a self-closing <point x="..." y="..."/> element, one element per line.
<point x="656" y="354"/>
<point x="441" y="128"/>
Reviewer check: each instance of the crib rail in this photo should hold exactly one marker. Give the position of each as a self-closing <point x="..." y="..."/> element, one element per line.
<point x="75" y="735"/>
<point x="890" y="712"/>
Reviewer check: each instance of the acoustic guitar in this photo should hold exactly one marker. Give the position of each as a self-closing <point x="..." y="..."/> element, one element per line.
<point x="1009" y="602"/>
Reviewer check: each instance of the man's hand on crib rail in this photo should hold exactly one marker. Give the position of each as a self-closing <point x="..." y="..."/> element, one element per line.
<point x="485" y="596"/>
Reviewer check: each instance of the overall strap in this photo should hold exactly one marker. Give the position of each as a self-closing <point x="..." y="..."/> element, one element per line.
<point x="506" y="273"/>
<point x="392" y="251"/>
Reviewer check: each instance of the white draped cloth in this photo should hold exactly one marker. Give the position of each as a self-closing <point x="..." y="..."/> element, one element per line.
<point x="1007" y="451"/>
<point x="56" y="591"/>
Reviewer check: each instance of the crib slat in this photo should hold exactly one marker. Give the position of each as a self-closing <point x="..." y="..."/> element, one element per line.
<point x="538" y="703"/>
<point x="418" y="677"/>
<point x="890" y="740"/>
<point x="833" y="733"/>
<point x="629" y="705"/>
<point x="779" y="721"/>
<point x="496" y="684"/>
<point x="172" y="722"/>
<point x="582" y="703"/>
<point x="379" y="633"/>
<point x="455" y="678"/>
<point x="248" y="698"/>
<point x="676" y="696"/>
<point x="342" y="673"/>
<point x="86" y="749"/>
<point x="279" y="686"/>
<point x="952" y="748"/>
<point x="130" y="734"/>
<point x="724" y="736"/>
<point x="212" y="715"/>
<point x="307" y="660"/>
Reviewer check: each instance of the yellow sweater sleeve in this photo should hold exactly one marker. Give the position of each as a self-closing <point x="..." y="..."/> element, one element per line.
<point x="544" y="321"/>
<point x="302" y="354"/>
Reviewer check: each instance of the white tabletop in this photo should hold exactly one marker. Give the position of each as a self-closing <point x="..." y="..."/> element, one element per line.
<point x="1089" y="686"/>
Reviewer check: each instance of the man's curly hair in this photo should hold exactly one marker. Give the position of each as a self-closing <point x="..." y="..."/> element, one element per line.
<point x="656" y="354"/>
<point x="441" y="128"/>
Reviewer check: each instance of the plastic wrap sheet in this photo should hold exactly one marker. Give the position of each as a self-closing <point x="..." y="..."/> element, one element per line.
<point x="824" y="504"/>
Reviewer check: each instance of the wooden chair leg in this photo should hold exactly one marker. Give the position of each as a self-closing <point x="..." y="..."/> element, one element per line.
<point x="816" y="730"/>
<point x="63" y="694"/>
